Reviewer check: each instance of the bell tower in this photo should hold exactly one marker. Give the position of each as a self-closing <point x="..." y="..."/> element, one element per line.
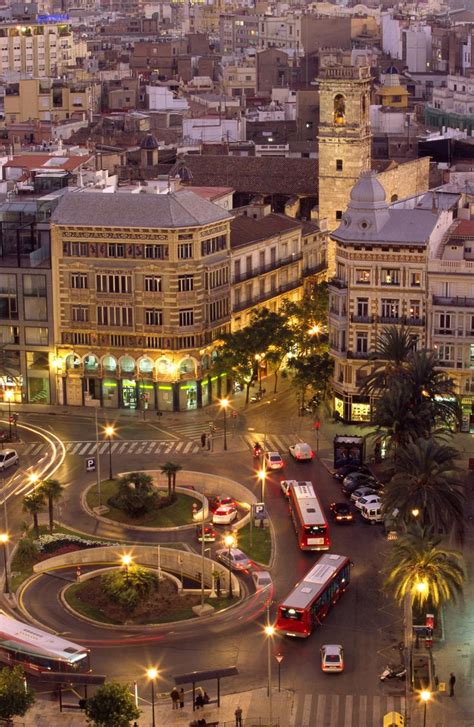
<point x="344" y="139"/>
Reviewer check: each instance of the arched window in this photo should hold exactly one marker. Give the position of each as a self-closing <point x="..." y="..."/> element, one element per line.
<point x="394" y="198"/>
<point x="109" y="364"/>
<point x="127" y="365"/>
<point x="146" y="365"/>
<point x="91" y="363"/>
<point x="339" y="109"/>
<point x="164" y="367"/>
<point x="205" y="362"/>
<point x="187" y="366"/>
<point x="72" y="361"/>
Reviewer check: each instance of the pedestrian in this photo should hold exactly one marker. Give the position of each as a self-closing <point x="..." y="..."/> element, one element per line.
<point x="174" y="694"/>
<point x="199" y="701"/>
<point x="203" y="439"/>
<point x="209" y="442"/>
<point x="238" y="717"/>
<point x="181" y="698"/>
<point x="452" y="682"/>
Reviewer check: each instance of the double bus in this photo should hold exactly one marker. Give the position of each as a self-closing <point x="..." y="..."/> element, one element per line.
<point x="308" y="517"/>
<point x="311" y="598"/>
<point x="39" y="652"/>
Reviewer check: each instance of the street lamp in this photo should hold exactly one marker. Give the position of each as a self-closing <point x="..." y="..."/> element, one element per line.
<point x="224" y="404"/>
<point x="229" y="541"/>
<point x="269" y="631"/>
<point x="126" y="561"/>
<point x="109" y="433"/>
<point x="422" y="587"/>
<point x="152" y="674"/>
<point x="9" y="397"/>
<point x="415" y="512"/>
<point x="4" y="539"/>
<point x="425" y="696"/>
<point x="314" y="330"/>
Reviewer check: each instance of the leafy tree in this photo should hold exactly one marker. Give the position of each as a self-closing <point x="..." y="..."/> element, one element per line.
<point x="426" y="479"/>
<point x="419" y="568"/>
<point x="237" y="355"/>
<point x="313" y="371"/>
<point x="16" y="698"/>
<point x="170" y="470"/>
<point x="128" y="586"/>
<point x="34" y="503"/>
<point x="275" y="338"/>
<point x="136" y="494"/>
<point x="52" y="491"/>
<point x="112" y="706"/>
<point x="308" y="320"/>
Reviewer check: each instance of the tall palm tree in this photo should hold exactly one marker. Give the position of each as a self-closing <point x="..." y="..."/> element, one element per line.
<point x="170" y="469"/>
<point x="392" y="349"/>
<point x="426" y="479"/>
<point x="34" y="503"/>
<point x="52" y="490"/>
<point x="429" y="384"/>
<point x="419" y="568"/>
<point x="396" y="418"/>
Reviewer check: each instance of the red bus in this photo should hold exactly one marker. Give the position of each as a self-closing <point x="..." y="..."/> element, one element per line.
<point x="310" y="600"/>
<point x="308" y="517"/>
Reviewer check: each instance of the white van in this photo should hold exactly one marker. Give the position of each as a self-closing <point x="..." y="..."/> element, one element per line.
<point x="301" y="451"/>
<point x="372" y="513"/>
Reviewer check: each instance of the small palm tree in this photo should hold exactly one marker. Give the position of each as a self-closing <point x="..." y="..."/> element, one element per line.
<point x="34" y="503"/>
<point x="426" y="480"/>
<point x="393" y="348"/>
<point x="397" y="420"/>
<point x="429" y="384"/>
<point x="170" y="469"/>
<point x="52" y="490"/>
<point x="420" y="569"/>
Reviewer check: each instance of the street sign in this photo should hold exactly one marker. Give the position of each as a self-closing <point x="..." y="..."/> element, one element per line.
<point x="259" y="511"/>
<point x="279" y="658"/>
<point x="90" y="464"/>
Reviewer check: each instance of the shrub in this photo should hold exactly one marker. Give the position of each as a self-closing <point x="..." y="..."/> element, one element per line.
<point x="128" y="587"/>
<point x="136" y="495"/>
<point x="26" y="552"/>
<point x="51" y="543"/>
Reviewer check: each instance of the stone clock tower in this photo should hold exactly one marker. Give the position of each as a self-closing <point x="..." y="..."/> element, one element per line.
<point x="344" y="139"/>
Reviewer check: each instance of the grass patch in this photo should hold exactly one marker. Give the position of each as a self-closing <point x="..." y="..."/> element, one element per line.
<point x="179" y="513"/>
<point x="261" y="547"/>
<point x="162" y="606"/>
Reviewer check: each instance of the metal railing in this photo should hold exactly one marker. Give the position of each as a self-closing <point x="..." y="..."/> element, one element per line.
<point x="458" y="301"/>
<point x="253" y="300"/>
<point x="268" y="267"/>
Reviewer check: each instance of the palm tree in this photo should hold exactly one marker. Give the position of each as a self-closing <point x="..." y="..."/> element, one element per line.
<point x="430" y="385"/>
<point x="34" y="503"/>
<point x="418" y="569"/>
<point x="396" y="418"/>
<point x="170" y="469"/>
<point x="426" y="479"/>
<point x="52" y="490"/>
<point x="393" y="348"/>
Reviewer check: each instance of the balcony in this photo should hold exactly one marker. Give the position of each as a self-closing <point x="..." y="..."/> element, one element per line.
<point x="390" y="284"/>
<point x="338" y="283"/>
<point x="262" y="269"/>
<point x="457" y="301"/>
<point x="362" y="319"/>
<point x="391" y="320"/>
<point x="313" y="269"/>
<point x="255" y="299"/>
<point x="358" y="354"/>
<point x="415" y="321"/>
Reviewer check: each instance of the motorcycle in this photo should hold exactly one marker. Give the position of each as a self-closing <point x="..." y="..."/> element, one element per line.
<point x="393" y="672"/>
<point x="257" y="450"/>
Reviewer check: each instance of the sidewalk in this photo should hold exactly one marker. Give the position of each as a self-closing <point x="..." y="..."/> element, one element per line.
<point x="254" y="705"/>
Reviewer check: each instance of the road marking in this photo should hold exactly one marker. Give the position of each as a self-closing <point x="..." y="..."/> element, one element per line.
<point x="114" y="446"/>
<point x="104" y="448"/>
<point x="178" y="446"/>
<point x="123" y="447"/>
<point x="334" y="710"/>
<point x="37" y="449"/>
<point x="163" y="431"/>
<point x="363" y="711"/>
<point x="348" y="707"/>
<point x="320" y="709"/>
<point x="390" y="704"/>
<point x="132" y="447"/>
<point x="84" y="448"/>
<point x="188" y="446"/>
<point x="305" y="719"/>
<point x="376" y="710"/>
<point x="76" y="447"/>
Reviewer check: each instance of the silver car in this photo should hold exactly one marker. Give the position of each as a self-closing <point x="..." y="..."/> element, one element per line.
<point x="238" y="560"/>
<point x="8" y="458"/>
<point x="262" y="579"/>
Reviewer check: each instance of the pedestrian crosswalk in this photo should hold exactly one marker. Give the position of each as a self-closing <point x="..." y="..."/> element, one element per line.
<point x="342" y="710"/>
<point x="193" y="430"/>
<point x="270" y="442"/>
<point x="132" y="447"/>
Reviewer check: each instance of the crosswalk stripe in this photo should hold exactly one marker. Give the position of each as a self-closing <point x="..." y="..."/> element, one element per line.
<point x="187" y="447"/>
<point x="114" y="446"/>
<point x="123" y="447"/>
<point x="140" y="449"/>
<point x="348" y="707"/>
<point x="320" y="710"/>
<point x="334" y="711"/>
<point x="376" y="710"/>
<point x="178" y="446"/>
<point x="84" y="448"/>
<point x="305" y="719"/>
<point x="293" y="711"/>
<point x="104" y="448"/>
<point x="76" y="447"/>
<point x="37" y="449"/>
<point x="363" y="711"/>
<point x="132" y="447"/>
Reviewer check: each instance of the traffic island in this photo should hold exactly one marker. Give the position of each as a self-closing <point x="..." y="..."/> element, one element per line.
<point x="161" y="601"/>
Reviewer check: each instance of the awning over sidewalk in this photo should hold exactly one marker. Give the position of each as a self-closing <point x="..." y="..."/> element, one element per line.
<point x="195" y="677"/>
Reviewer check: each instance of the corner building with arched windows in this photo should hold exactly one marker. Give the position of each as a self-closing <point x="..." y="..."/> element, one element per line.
<point x="142" y="292"/>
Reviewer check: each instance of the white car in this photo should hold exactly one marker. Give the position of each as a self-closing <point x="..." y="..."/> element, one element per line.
<point x="301" y="452"/>
<point x="262" y="579"/>
<point x="238" y="560"/>
<point x="332" y="658"/>
<point x="224" y="515"/>
<point x="8" y="458"/>
<point x="368" y="500"/>
<point x="273" y="461"/>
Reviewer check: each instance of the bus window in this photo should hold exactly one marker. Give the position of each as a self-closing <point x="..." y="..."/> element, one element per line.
<point x="315" y="530"/>
<point x="291" y="613"/>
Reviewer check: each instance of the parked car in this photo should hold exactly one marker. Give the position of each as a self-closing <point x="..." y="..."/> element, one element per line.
<point x="332" y="658"/>
<point x="209" y="533"/>
<point x="301" y="451"/>
<point x="363" y="491"/>
<point x="367" y="500"/>
<point x="273" y="461"/>
<point x="349" y="485"/>
<point x="262" y="579"/>
<point x="224" y="515"/>
<point x="8" y="458"/>
<point x="373" y="514"/>
<point x="341" y="512"/>
<point x="348" y="469"/>
<point x="238" y="560"/>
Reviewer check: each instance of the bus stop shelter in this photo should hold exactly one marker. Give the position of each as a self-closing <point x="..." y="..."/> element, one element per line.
<point x="196" y="677"/>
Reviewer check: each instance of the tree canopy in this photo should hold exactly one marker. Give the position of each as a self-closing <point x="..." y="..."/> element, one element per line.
<point x="112" y="706"/>
<point x="16" y="697"/>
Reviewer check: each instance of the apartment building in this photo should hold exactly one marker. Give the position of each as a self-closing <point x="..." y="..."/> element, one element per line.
<point x="452" y="104"/>
<point x="142" y="291"/>
<point x="50" y="100"/>
<point x="381" y="279"/>
<point x="239" y="79"/>
<point x="40" y="49"/>
<point x="237" y="32"/>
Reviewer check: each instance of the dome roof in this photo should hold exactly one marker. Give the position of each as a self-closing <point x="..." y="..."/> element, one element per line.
<point x="367" y="191"/>
<point x="149" y="142"/>
<point x="392" y="70"/>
